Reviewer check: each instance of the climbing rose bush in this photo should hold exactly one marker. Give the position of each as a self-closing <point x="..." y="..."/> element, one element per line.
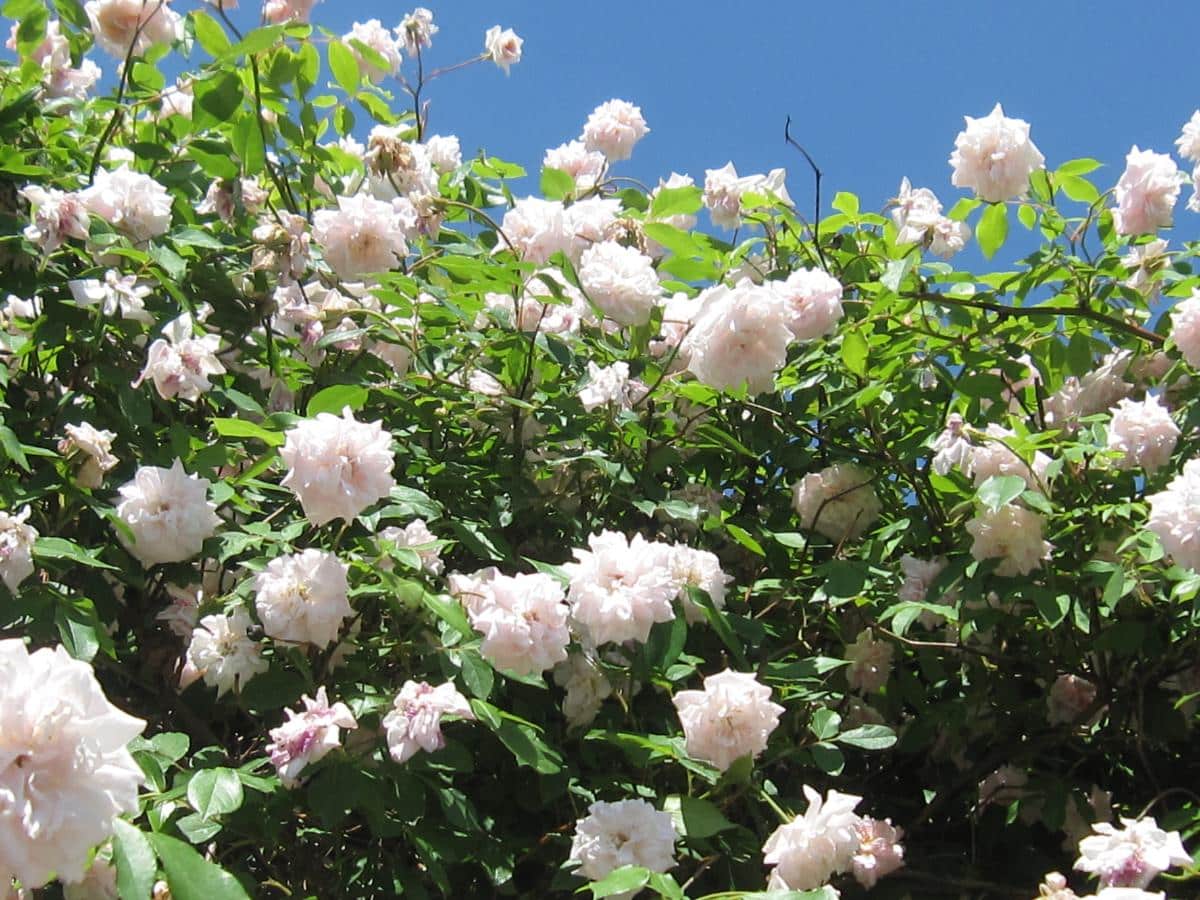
<point x="379" y="520"/>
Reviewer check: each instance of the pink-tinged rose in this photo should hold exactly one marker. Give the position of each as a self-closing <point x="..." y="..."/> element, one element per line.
<point x="1146" y="192"/>
<point x="994" y="157"/>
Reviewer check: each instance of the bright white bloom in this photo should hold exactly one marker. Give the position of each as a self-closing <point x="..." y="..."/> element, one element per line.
<point x="948" y="237"/>
<point x="1131" y="856"/>
<point x="502" y="47"/>
<point x="65" y="772"/>
<point x="538" y="229"/>
<point x="838" y="502"/>
<point x="870" y="663"/>
<point x="416" y="31"/>
<point x="1054" y="887"/>
<point x="55" y="216"/>
<point x="879" y="850"/>
<point x="66" y="81"/>
<point x="613" y="128"/>
<point x="619" y="588"/>
<point x="679" y="311"/>
<point x="1175" y="516"/>
<point x="586" y="687"/>
<point x="92" y="448"/>
<point x="1185" y="328"/>
<point x="740" y="336"/>
<point x="621" y="281"/>
<point x="16" y="548"/>
<point x="372" y="34"/>
<point x="699" y="569"/>
<point x="723" y="190"/>
<point x="1144" y="433"/>
<point x="133" y="203"/>
<point x="181" y="365"/>
<point x="814" y="303"/>
<point x="1146" y="192"/>
<point x="812" y="848"/>
<point x="606" y="385"/>
<point x="301" y="598"/>
<point x="279" y="12"/>
<point x="995" y="157"/>
<point x="732" y="717"/>
<point x="118" y="24"/>
<point x="361" y="236"/>
<point x="584" y="165"/>
<point x="116" y="294"/>
<point x="523" y="619"/>
<point x="337" y="467"/>
<point x="1069" y="698"/>
<point x="222" y="653"/>
<point x="1188" y="142"/>
<point x="307" y="737"/>
<point x="17" y="308"/>
<point x="1012" y="534"/>
<point x="444" y="152"/>
<point x="415" y="534"/>
<point x="915" y="212"/>
<point x="168" y="512"/>
<point x="625" y="833"/>
<point x="415" y="720"/>
<point x="993" y="458"/>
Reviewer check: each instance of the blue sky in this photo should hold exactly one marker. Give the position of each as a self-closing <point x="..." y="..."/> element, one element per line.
<point x="876" y="90"/>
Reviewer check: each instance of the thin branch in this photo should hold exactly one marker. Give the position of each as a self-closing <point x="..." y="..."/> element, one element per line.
<point x="816" y="222"/>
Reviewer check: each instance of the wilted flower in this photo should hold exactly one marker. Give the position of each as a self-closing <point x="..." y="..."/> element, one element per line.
<point x="732" y="717"/>
<point x="995" y="157"/>
<point x="625" y="833"/>
<point x="65" y="772"/>
<point x="1069" y="698"/>
<point x="301" y="598"/>
<point x="307" y="737"/>
<point x="414" y="722"/>
<point x="416" y="30"/>
<point x="168" y="512"/>
<point x="879" y="850"/>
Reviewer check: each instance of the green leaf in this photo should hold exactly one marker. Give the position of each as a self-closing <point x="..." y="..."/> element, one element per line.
<point x="743" y="537"/>
<point x="868" y="737"/>
<point x="217" y="99"/>
<point x="697" y="818"/>
<point x="248" y="143"/>
<point x="12" y="447"/>
<point x="256" y="41"/>
<point x="825" y="724"/>
<point x="520" y="737"/>
<point x="215" y="792"/>
<point x="1077" y="167"/>
<point x="999" y="490"/>
<point x="209" y="34"/>
<point x="846" y="203"/>
<point x="344" y="66"/>
<point x="337" y="397"/>
<point x="556" y="184"/>
<point x="619" y="881"/>
<point x="171" y="744"/>
<point x="993" y="229"/>
<point x="1028" y="215"/>
<point x="134" y="859"/>
<point x="1078" y="189"/>
<point x="60" y="548"/>
<point x="854" y="352"/>
<point x="1052" y="609"/>
<point x="828" y="757"/>
<point x="190" y="876"/>
<point x="680" y="201"/>
<point x="449" y="612"/>
<point x="240" y="428"/>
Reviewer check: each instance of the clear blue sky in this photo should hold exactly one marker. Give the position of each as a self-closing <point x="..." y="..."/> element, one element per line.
<point x="876" y="90"/>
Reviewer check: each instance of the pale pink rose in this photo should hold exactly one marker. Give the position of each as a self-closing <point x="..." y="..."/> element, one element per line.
<point x="502" y="47"/>
<point x="948" y="237"/>
<point x="444" y="152"/>
<point x="589" y="222"/>
<point x="613" y="128"/>
<point x="414" y="722"/>
<point x="1069" y="698"/>
<point x="1188" y="142"/>
<point x="1146" y="192"/>
<point x="92" y="449"/>
<point x="222" y="198"/>
<point x="416" y="31"/>
<point x="699" y="569"/>
<point x="880" y="852"/>
<point x="374" y="35"/>
<point x="584" y="165"/>
<point x="176" y="100"/>
<point x="1096" y="392"/>
<point x="1144" y="433"/>
<point x="1130" y="857"/>
<point x="133" y="203"/>
<point x="625" y="833"/>
<point x="301" y="598"/>
<point x="619" y="588"/>
<point x="838" y="502"/>
<point x="953" y="448"/>
<point x="870" y="663"/>
<point x="181" y="364"/>
<point x="1185" y="328"/>
<point x="337" y="467"/>
<point x="65" y="771"/>
<point x="16" y="548"/>
<point x="914" y="213"/>
<point x="71" y="82"/>
<point x="1175" y="516"/>
<point x="919" y="577"/>
<point x="994" y="157"/>
<point x="222" y="653"/>
<point x="168" y="512"/>
<point x="586" y="688"/>
<point x="1145" y="262"/>
<point x="537" y="229"/>
<point x="993" y="458"/>
<point x="732" y="717"/>
<point x="415" y="534"/>
<point x="606" y="385"/>
<point x="362" y="235"/>
<point x="118" y="24"/>
<point x="1011" y="534"/>
<point x="621" y="281"/>
<point x="812" y="848"/>
<point x="307" y="737"/>
<point x="679" y="312"/>
<point x="182" y="614"/>
<point x="523" y="620"/>
<point x="53" y="52"/>
<point x="282" y="243"/>
<point x="740" y="336"/>
<point x="55" y="216"/>
<point x="723" y="191"/>
<point x="814" y="303"/>
<point x="117" y="294"/>
<point x="280" y="12"/>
